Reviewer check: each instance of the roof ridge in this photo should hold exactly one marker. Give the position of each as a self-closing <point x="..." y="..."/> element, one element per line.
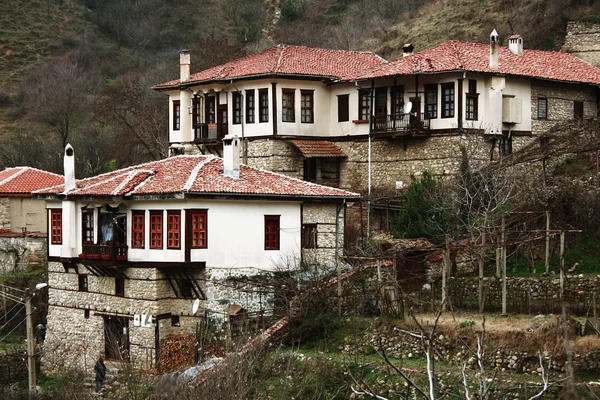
<point x="130" y="176"/>
<point x="279" y="58"/>
<point x="13" y="176"/>
<point x="194" y="174"/>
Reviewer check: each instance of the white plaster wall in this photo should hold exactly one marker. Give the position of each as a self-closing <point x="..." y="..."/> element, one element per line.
<point x="28" y="214"/>
<point x="54" y="250"/>
<point x="521" y="89"/>
<point x="345" y="128"/>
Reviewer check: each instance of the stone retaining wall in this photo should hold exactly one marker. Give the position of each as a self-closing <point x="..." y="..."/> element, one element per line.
<point x="13" y="366"/>
<point x="19" y="252"/>
<point x="4" y="213"/>
<point x="583" y="41"/>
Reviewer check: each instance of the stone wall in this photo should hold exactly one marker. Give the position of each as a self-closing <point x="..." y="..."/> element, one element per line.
<point x="13" y="366"/>
<point x="4" y="213"/>
<point x="560" y="103"/>
<point x="19" y="252"/>
<point x="324" y="216"/>
<point x="583" y="41"/>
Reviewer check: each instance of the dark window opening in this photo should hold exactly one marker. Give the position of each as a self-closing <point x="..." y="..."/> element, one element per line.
<point x="116" y="337"/>
<point x="309" y="236"/>
<point x="542" y="108"/>
<point x="185" y="286"/>
<point x="120" y="287"/>
<point x="87" y="228"/>
<point x="505" y="146"/>
<point x="472" y="86"/>
<point x="176" y="115"/>
<point x="86" y="313"/>
<point x="307" y="106"/>
<point x="448" y="100"/>
<point x="83" y="283"/>
<point x="175" y="320"/>
<point x="263" y="98"/>
<point x="310" y="169"/>
<point x="381" y="94"/>
<point x="287" y="105"/>
<point x="399" y="100"/>
<point x="431" y="101"/>
<point x="272" y="232"/>
<point x="343" y="108"/>
<point x="364" y="104"/>
<point x="472" y="110"/>
<point x="578" y="109"/>
<point x="250" y="106"/>
<point x="237" y="108"/>
<point x="211" y="109"/>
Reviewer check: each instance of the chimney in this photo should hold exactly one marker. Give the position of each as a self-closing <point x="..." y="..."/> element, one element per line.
<point x="515" y="44"/>
<point x="69" y="168"/>
<point x="231" y="156"/>
<point x="407" y="49"/>
<point x="184" y="65"/>
<point x="494" y="44"/>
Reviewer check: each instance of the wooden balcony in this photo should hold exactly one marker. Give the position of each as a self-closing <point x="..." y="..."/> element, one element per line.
<point x="400" y="122"/>
<point x="108" y="251"/>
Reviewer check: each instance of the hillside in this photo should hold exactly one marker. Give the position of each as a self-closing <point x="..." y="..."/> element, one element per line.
<point x="101" y="57"/>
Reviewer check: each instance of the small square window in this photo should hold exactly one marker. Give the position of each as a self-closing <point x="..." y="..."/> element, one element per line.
<point x="309" y="236"/>
<point x="120" y="287"/>
<point x="175" y="320"/>
<point x="86" y="313"/>
<point x="542" y="108"/>
<point x="83" y="283"/>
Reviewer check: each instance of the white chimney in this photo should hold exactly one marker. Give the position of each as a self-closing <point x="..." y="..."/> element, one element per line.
<point x="494" y="44"/>
<point x="231" y="156"/>
<point x="407" y="49"/>
<point x="184" y="65"/>
<point x="69" y="168"/>
<point x="515" y="44"/>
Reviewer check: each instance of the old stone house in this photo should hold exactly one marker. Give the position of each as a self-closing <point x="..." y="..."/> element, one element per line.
<point x="131" y="250"/>
<point x="358" y="122"/>
<point x="19" y="212"/>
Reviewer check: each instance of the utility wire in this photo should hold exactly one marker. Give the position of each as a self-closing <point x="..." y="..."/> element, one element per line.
<point x="7" y="322"/>
<point x="13" y="329"/>
<point x="13" y="297"/>
<point x="12" y="288"/>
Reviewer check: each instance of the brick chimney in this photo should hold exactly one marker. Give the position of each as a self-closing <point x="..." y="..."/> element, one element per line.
<point x="231" y="156"/>
<point x="184" y="65"/>
<point x="515" y="44"/>
<point x="494" y="44"/>
<point x="407" y="49"/>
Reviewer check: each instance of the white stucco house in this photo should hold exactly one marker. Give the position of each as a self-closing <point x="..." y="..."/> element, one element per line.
<point x="369" y="123"/>
<point x="153" y="238"/>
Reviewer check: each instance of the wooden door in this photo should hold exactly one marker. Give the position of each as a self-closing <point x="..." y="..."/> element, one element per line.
<point x="222" y="121"/>
<point x="415" y="113"/>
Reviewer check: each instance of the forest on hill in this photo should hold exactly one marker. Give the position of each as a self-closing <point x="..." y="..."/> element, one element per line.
<point x="80" y="71"/>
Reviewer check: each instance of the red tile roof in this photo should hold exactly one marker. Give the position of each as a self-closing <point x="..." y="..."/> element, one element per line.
<point x="289" y="60"/>
<point x="318" y="148"/>
<point x="463" y="56"/>
<point x="197" y="175"/>
<point x="21" y="181"/>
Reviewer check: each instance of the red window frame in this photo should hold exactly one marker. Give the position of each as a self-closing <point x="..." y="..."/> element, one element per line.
<point x="176" y="115"/>
<point x="156" y="229"/>
<point x="199" y="229"/>
<point x="138" y="229"/>
<point x="87" y="226"/>
<point x="173" y="229"/>
<point x="272" y="238"/>
<point x="56" y="226"/>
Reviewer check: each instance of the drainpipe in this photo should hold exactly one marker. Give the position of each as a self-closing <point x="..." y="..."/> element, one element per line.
<point x="369" y="160"/>
<point x="460" y="104"/>
<point x="242" y="120"/>
<point x="337" y="249"/>
<point x="274" y="96"/>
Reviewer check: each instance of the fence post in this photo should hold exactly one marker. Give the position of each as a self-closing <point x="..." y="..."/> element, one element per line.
<point x="547" y="259"/>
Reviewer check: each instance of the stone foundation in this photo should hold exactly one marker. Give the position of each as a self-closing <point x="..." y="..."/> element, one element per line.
<point x="583" y="41"/>
<point x="18" y="253"/>
<point x="4" y="213"/>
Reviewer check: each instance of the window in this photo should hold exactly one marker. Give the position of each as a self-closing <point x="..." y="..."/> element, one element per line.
<point x="138" y="231"/>
<point x="364" y="104"/>
<point x="309" y="236"/>
<point x="176" y="115"/>
<point x="307" y="106"/>
<point x="399" y="100"/>
<point x="578" y="109"/>
<point x="185" y="286"/>
<point x="250" y="106"/>
<point x="210" y="110"/>
<point x="119" y="287"/>
<point x="263" y="98"/>
<point x="83" y="283"/>
<point x="271" y="232"/>
<point x="505" y="146"/>
<point x="431" y="101"/>
<point x="174" y="229"/>
<point x="199" y="229"/>
<point x="116" y="337"/>
<point x="472" y="111"/>
<point x="237" y="107"/>
<point x="448" y="100"/>
<point x="542" y="108"/>
<point x="87" y="226"/>
<point x="196" y="121"/>
<point x="287" y="105"/>
<point x="381" y="96"/>
<point x="156" y="229"/>
<point x="310" y="169"/>
<point x="56" y="226"/>
<point x="86" y="313"/>
<point x="175" y="320"/>
<point x="343" y="108"/>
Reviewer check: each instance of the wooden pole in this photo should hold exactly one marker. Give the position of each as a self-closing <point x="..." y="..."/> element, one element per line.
<point x="562" y="263"/>
<point x="503" y="266"/>
<point x="547" y="259"/>
<point x="30" y="346"/>
<point x="445" y="273"/>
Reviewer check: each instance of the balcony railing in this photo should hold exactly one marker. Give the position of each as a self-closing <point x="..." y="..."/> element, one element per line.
<point x="400" y="122"/>
<point x="105" y="251"/>
<point x="205" y="131"/>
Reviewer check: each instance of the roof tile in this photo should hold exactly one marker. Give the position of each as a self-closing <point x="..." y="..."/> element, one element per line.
<point x="24" y="180"/>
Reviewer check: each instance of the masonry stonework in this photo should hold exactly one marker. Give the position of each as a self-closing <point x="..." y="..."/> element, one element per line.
<point x="18" y="253"/>
<point x="4" y="213"/>
<point x="583" y="41"/>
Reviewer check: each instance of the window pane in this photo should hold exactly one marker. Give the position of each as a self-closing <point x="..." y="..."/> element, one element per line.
<point x="542" y="108"/>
